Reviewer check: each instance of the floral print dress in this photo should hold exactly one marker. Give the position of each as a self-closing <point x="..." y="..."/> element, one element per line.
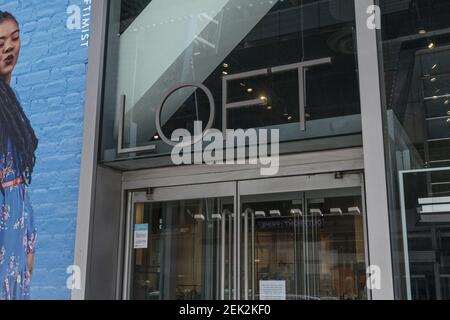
<point x="17" y="231"/>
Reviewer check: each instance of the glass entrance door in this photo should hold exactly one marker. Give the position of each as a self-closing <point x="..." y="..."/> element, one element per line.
<point x="303" y="245"/>
<point x="295" y="238"/>
<point x="180" y="243"/>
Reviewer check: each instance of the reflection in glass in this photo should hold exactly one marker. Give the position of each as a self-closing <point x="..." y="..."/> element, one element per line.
<point x="184" y="259"/>
<point x="416" y="60"/>
<point x="156" y="45"/>
<point x="315" y="244"/>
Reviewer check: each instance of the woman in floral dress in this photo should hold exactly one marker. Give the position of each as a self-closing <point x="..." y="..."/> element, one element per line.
<point x="18" y="144"/>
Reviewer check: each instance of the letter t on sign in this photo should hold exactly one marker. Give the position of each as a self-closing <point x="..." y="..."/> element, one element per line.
<point x="302" y="68"/>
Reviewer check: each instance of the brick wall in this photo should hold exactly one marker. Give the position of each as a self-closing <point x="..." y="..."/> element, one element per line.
<point x="50" y="79"/>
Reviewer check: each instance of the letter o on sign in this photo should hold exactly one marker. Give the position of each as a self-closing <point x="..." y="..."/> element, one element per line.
<point x="212" y="108"/>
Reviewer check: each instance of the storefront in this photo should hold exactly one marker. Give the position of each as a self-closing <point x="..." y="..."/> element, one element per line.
<point x="319" y="227"/>
<point x="305" y="231"/>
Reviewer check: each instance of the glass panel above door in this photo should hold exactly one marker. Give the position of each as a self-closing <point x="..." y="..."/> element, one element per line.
<point x="280" y="64"/>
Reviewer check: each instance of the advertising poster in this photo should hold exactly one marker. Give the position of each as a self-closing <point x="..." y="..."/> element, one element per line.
<point x="43" y="62"/>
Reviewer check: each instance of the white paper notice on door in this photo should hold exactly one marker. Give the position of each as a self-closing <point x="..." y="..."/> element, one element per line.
<point x="272" y="290"/>
<point x="141" y="236"/>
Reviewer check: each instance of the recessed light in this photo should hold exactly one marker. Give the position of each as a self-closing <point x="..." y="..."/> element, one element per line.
<point x="260" y="214"/>
<point x="431" y="45"/>
<point x="296" y="211"/>
<point x="263" y="98"/>
<point x="448" y="120"/>
<point x="434" y="66"/>
<point x="225" y="65"/>
<point x="199" y="217"/>
<point x="433" y="79"/>
<point x="289" y="118"/>
<point x="316" y="211"/>
<point x="224" y="73"/>
<point x="269" y="107"/>
<point x="422" y="31"/>
<point x="336" y="211"/>
<point x="156" y="137"/>
<point x="446" y="102"/>
<point x="275" y="213"/>
<point x="249" y="90"/>
<point x="434" y="97"/>
<point x="354" y="210"/>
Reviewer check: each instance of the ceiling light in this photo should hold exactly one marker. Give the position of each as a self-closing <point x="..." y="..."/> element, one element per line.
<point x="446" y="102"/>
<point x="422" y="31"/>
<point x="275" y="213"/>
<point x="434" y="66"/>
<point x="448" y="120"/>
<point x="260" y="214"/>
<point x="263" y="98"/>
<point x="433" y="79"/>
<point x="156" y="137"/>
<point x="336" y="211"/>
<point x="431" y="45"/>
<point x="354" y="210"/>
<point x="224" y="73"/>
<point x="316" y="211"/>
<point x="289" y="118"/>
<point x="199" y="217"/>
<point x="225" y="65"/>
<point x="249" y="90"/>
<point x="269" y="107"/>
<point x="434" y="97"/>
<point x="448" y="112"/>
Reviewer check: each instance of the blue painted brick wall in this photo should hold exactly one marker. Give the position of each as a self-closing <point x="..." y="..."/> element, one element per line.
<point x="50" y="79"/>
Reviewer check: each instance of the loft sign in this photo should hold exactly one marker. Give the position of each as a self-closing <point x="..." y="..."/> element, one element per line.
<point x="259" y="147"/>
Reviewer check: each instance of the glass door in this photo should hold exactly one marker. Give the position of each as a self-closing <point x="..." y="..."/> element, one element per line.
<point x="303" y="244"/>
<point x="180" y="243"/>
<point x="296" y="238"/>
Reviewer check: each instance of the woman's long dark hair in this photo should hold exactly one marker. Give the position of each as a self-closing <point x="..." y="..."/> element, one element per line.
<point x="15" y="128"/>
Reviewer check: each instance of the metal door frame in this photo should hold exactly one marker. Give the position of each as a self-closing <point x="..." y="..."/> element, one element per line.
<point x="303" y="184"/>
<point x="163" y="194"/>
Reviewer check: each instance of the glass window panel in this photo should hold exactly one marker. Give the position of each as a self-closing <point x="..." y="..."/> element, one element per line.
<point x="156" y="45"/>
<point x="415" y="39"/>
